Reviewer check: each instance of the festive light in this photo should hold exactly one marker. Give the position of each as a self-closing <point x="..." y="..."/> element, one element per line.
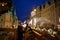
<point x="24" y="25"/>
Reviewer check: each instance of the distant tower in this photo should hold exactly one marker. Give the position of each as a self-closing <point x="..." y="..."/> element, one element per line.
<point x="15" y="19"/>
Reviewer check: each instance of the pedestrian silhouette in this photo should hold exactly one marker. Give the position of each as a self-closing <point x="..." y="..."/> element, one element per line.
<point x="20" y="32"/>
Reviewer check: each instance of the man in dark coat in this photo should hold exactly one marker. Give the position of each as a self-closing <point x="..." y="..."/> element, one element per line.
<point x="20" y="32"/>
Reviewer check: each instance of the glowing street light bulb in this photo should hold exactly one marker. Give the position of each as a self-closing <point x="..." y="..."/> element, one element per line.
<point x="24" y="25"/>
<point x="2" y="4"/>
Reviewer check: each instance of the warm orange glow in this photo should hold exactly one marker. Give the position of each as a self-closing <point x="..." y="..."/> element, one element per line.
<point x="3" y="4"/>
<point x="58" y="25"/>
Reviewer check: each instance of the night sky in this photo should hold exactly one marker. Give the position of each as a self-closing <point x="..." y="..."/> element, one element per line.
<point x="24" y="7"/>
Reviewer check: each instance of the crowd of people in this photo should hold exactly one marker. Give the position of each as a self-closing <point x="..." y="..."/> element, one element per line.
<point x="24" y="28"/>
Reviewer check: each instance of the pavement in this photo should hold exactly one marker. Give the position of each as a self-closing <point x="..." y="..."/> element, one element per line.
<point x="37" y="35"/>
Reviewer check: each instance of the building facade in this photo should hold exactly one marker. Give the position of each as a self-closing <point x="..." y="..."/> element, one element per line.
<point x="6" y="20"/>
<point x="48" y="13"/>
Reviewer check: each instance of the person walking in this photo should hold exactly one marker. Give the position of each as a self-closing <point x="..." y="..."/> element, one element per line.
<point x="20" y="31"/>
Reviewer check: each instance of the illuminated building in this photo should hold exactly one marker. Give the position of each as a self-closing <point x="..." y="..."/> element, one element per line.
<point x="6" y="20"/>
<point x="58" y="9"/>
<point x="33" y="18"/>
<point x="49" y="13"/>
